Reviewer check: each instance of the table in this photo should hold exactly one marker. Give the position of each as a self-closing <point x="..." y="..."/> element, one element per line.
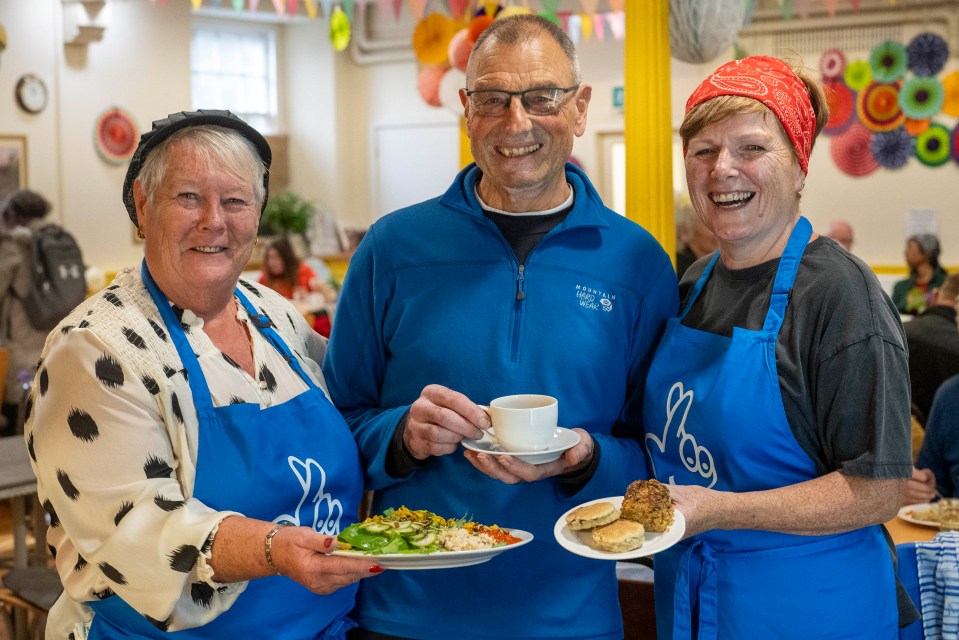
<point x="902" y="531"/>
<point x="17" y="482"/>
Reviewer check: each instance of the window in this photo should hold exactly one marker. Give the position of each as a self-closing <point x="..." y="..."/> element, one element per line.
<point x="234" y="67"/>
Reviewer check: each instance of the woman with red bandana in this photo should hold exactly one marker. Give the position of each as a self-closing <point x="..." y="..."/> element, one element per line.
<point x="777" y="406"/>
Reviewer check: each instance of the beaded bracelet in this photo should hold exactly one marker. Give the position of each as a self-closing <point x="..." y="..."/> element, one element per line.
<point x="268" y="544"/>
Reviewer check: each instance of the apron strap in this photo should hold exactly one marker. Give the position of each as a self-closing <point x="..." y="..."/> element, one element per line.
<point x="696" y="584"/>
<point x="697" y="289"/>
<point x="786" y="274"/>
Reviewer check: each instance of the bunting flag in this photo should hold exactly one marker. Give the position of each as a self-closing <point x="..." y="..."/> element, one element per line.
<point x="617" y="24"/>
<point x="831" y="7"/>
<point x="586" y="26"/>
<point x="280" y="7"/>
<point x="490" y="7"/>
<point x="803" y="7"/>
<point x="291" y="6"/>
<point x="196" y="4"/>
<point x="397" y="8"/>
<point x="348" y="8"/>
<point x="552" y="6"/>
<point x="416" y="8"/>
<point x="238" y="5"/>
<point x="599" y="26"/>
<point x="856" y="4"/>
<point x="617" y="5"/>
<point x="589" y="7"/>
<point x="311" y="9"/>
<point x="787" y="9"/>
<point x="457" y="8"/>
<point x="327" y="8"/>
<point x="254" y="4"/>
<point x="571" y="25"/>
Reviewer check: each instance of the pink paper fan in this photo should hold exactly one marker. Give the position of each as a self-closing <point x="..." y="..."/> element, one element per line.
<point x="832" y="64"/>
<point x="852" y="153"/>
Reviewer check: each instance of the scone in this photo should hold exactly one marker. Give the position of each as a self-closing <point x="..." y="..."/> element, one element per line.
<point x="592" y="515"/>
<point x="647" y="502"/>
<point x="622" y="535"/>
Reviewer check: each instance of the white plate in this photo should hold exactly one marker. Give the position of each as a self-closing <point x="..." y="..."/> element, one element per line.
<point x="581" y="542"/>
<point x="563" y="439"/>
<point x="438" y="559"/>
<point x="906" y="513"/>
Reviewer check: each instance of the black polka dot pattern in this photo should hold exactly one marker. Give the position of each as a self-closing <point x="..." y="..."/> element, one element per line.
<point x="54" y="519"/>
<point x="267" y="377"/>
<point x="125" y="508"/>
<point x="249" y="287"/>
<point x="66" y="484"/>
<point x="202" y="594"/>
<point x="169" y="372"/>
<point x="157" y="468"/>
<point x="158" y="330"/>
<point x="232" y="362"/>
<point x="82" y="425"/>
<point x="80" y="564"/>
<point x="108" y="371"/>
<point x="28" y="409"/>
<point x="134" y="338"/>
<point x="112" y="573"/>
<point x="183" y="558"/>
<point x="30" y="450"/>
<point x="151" y="385"/>
<point x="207" y="544"/>
<point x="83" y="324"/>
<point x="52" y="550"/>
<point x="66" y="328"/>
<point x="113" y="299"/>
<point x="167" y="504"/>
<point x="235" y="400"/>
<point x="44" y="382"/>
<point x="162" y="625"/>
<point x="176" y="408"/>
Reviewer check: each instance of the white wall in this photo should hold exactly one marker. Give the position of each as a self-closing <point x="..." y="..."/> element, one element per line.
<point x="332" y="103"/>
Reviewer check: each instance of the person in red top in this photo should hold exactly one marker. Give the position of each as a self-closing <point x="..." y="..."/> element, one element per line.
<point x="293" y="278"/>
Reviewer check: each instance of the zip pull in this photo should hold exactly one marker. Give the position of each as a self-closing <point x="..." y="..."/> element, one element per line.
<point x="520" y="294"/>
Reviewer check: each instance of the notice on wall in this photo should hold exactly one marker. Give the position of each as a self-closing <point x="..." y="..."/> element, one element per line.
<point x="922" y="221"/>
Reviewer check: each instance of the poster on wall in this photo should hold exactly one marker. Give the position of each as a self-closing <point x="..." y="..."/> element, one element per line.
<point x="13" y="164"/>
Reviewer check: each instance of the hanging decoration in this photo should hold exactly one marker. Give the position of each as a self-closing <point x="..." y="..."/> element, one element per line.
<point x="878" y="107"/>
<point x="832" y="64"/>
<point x="888" y="61"/>
<point x="892" y="149"/>
<point x="842" y="105"/>
<point x="449" y="94"/>
<point x="858" y="75"/>
<point x="932" y="146"/>
<point x="431" y="38"/>
<point x="915" y="127"/>
<point x="115" y="135"/>
<point x="928" y="53"/>
<point x="459" y="49"/>
<point x="954" y="144"/>
<point x="428" y="84"/>
<point x="852" y="153"/>
<point x="921" y="97"/>
<point x="700" y="30"/>
<point x="950" y="90"/>
<point x="476" y="27"/>
<point x="339" y="29"/>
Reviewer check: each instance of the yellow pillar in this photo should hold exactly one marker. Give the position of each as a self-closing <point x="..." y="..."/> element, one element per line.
<point x="649" y="137"/>
<point x="466" y="153"/>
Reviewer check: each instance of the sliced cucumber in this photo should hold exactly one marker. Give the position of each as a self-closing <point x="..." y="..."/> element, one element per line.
<point x="376" y="527"/>
<point x="422" y="540"/>
<point x="404" y="528"/>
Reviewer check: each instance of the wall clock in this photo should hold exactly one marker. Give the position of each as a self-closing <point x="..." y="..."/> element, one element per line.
<point x="31" y="93"/>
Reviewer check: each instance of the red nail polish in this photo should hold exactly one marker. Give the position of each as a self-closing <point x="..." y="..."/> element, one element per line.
<point x="376" y="569"/>
<point x="328" y="543"/>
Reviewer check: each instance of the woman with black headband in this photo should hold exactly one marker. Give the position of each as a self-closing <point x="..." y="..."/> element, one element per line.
<point x="193" y="469"/>
<point x="777" y="405"/>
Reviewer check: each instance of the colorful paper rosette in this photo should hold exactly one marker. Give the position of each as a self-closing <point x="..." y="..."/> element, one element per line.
<point x="921" y="97"/>
<point x="928" y="54"/>
<point x="954" y="144"/>
<point x="888" y="61"/>
<point x="851" y="151"/>
<point x="115" y="135"/>
<point x="916" y="127"/>
<point x="431" y="38"/>
<point x="842" y="106"/>
<point x="932" y="146"/>
<point x="950" y="88"/>
<point x="892" y="149"/>
<point x="858" y="75"/>
<point x="878" y="107"/>
<point x="832" y="64"/>
<point x="339" y="29"/>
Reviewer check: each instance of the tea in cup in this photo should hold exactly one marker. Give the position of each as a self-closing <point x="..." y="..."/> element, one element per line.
<point x="525" y="422"/>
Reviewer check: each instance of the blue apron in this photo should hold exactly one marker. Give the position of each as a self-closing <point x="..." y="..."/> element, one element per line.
<point x="714" y="417"/>
<point x="296" y="461"/>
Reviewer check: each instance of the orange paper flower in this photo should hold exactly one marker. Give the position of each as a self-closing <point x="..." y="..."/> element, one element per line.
<point x="431" y="38"/>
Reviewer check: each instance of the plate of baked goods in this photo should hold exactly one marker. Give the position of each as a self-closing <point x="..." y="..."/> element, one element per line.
<point x="406" y="539"/>
<point x="641" y="523"/>
<point x="925" y="514"/>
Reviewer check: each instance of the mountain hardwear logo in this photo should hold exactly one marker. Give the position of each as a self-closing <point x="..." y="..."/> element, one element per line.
<point x="596" y="299"/>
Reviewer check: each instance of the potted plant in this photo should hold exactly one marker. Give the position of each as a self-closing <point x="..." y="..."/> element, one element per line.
<point x="287" y="214"/>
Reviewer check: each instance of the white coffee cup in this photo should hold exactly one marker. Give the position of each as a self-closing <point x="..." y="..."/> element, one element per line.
<point x="524" y="422"/>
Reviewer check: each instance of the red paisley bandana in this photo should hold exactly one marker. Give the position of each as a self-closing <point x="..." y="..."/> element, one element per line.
<point x="772" y="82"/>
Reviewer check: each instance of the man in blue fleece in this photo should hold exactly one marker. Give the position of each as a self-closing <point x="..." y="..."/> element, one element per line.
<point x="516" y="280"/>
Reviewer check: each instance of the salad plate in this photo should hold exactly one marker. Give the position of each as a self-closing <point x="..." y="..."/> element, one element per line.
<point x="438" y="559"/>
<point x="581" y="542"/>
<point x="925" y="514"/>
<point x="563" y="439"/>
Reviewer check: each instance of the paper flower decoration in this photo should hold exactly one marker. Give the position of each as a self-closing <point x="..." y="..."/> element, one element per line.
<point x="851" y="151"/>
<point x="888" y="61"/>
<point x="892" y="149"/>
<point x="950" y="88"/>
<point x="915" y="127"/>
<point x="699" y="30"/>
<point x="431" y="38"/>
<point x="459" y="49"/>
<point x="858" y="75"/>
<point x="921" y="97"/>
<point x="878" y="107"/>
<point x="842" y="105"/>
<point x="428" y="84"/>
<point x="115" y="135"/>
<point x="928" y="53"/>
<point x="449" y="91"/>
<point x="832" y="64"/>
<point x="477" y="26"/>
<point x="932" y="146"/>
<point x="339" y="29"/>
<point x="954" y="144"/>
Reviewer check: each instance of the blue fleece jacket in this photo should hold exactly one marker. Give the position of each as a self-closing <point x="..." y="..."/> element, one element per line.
<point x="431" y="297"/>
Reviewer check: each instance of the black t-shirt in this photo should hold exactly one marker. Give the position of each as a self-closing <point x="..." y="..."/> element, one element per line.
<point x="840" y="355"/>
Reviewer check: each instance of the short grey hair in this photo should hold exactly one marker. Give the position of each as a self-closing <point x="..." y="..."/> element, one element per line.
<point x="212" y="144"/>
<point x="523" y="28"/>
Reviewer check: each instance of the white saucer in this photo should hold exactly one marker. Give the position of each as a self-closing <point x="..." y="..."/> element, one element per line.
<point x="563" y="439"/>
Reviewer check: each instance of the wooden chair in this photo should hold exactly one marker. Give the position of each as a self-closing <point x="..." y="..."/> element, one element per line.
<point x="636" y="601"/>
<point x="26" y="598"/>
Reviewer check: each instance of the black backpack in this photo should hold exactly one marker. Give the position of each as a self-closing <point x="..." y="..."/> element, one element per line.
<point x="58" y="277"/>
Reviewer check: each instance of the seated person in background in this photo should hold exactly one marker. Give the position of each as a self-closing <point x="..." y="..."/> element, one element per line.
<point x="293" y="278"/>
<point x="912" y="295"/>
<point x="693" y="238"/>
<point x="937" y="468"/>
<point x="20" y="215"/>
<point x="841" y="232"/>
<point x="177" y="413"/>
<point x="933" y="341"/>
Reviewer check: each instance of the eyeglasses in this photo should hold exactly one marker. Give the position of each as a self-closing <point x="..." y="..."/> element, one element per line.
<point x="545" y="101"/>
